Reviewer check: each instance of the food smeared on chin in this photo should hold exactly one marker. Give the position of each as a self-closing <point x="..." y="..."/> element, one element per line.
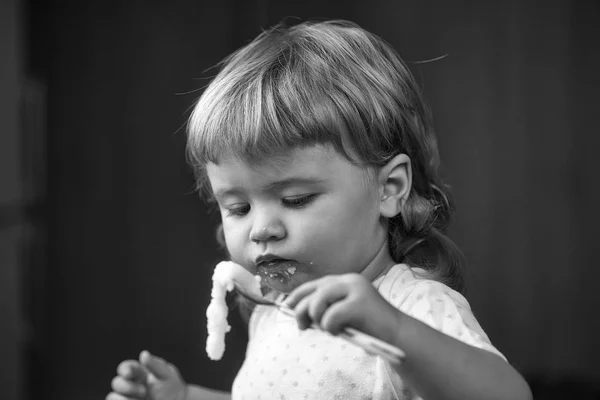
<point x="225" y="276"/>
<point x="281" y="270"/>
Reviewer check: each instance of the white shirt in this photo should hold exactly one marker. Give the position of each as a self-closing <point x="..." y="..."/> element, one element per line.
<point x="283" y="362"/>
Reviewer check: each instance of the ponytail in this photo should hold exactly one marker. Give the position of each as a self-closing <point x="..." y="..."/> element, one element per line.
<point x="417" y="237"/>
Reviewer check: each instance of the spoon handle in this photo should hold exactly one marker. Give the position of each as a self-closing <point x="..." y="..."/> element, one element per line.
<point x="373" y="345"/>
<point x="369" y="343"/>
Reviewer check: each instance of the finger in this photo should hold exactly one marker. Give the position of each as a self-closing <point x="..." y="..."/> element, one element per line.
<point x="156" y="365"/>
<point x="132" y="370"/>
<point x="117" y="396"/>
<point x="301" y="292"/>
<point x="337" y="317"/>
<point x="302" y="316"/>
<point x="318" y="295"/>
<point x="125" y="387"/>
<point x="323" y="298"/>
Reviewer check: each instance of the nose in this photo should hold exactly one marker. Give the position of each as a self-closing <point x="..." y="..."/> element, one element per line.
<point x="266" y="227"/>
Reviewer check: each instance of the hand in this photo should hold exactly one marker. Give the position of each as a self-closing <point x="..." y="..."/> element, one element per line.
<point x="151" y="378"/>
<point x="336" y="301"/>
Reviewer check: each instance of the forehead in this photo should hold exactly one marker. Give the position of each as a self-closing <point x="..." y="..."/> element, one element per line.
<point x="317" y="163"/>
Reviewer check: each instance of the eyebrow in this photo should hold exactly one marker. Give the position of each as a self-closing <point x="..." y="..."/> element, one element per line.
<point x="275" y="186"/>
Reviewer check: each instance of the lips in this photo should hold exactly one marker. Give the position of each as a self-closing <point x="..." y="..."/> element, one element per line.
<point x="277" y="267"/>
<point x="272" y="262"/>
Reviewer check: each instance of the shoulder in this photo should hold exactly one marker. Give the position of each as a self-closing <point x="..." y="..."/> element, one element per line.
<point x="435" y="304"/>
<point x="407" y="288"/>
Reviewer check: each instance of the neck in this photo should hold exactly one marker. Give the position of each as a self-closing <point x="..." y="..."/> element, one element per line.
<point x="380" y="264"/>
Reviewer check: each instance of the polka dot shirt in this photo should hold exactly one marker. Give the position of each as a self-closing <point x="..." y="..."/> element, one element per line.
<point x="283" y="362"/>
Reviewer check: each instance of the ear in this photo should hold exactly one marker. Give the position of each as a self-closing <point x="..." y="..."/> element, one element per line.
<point x="395" y="182"/>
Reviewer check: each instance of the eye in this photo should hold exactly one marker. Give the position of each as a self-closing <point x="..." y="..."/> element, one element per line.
<point x="238" y="210"/>
<point x="298" y="201"/>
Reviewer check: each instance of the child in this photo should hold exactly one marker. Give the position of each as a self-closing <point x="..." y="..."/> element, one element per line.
<point x="316" y="145"/>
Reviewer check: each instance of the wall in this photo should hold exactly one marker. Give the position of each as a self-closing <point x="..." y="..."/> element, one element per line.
<point x="11" y="196"/>
<point x="131" y="247"/>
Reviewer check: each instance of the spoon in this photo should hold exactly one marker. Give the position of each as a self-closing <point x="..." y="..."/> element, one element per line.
<point x="369" y="343"/>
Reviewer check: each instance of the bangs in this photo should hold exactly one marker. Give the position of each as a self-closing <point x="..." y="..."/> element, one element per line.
<point x="260" y="112"/>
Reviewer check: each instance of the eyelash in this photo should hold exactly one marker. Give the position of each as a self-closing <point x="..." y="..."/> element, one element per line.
<point x="295" y="203"/>
<point x="238" y="211"/>
<point x="298" y="202"/>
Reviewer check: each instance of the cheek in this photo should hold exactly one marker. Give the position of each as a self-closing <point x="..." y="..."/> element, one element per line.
<point x="355" y="214"/>
<point x="234" y="238"/>
<point x="318" y="236"/>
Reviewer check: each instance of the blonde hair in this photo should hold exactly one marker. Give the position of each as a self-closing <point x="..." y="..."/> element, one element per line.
<point x="332" y="83"/>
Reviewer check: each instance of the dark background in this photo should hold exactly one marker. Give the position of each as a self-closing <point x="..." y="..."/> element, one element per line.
<point x="105" y="250"/>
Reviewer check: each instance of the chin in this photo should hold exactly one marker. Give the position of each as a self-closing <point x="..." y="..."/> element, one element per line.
<point x="282" y="284"/>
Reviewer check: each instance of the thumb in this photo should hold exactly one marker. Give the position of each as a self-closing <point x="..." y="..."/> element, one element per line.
<point x="155" y="365"/>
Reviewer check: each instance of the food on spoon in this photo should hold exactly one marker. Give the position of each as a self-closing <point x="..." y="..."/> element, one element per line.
<point x="225" y="276"/>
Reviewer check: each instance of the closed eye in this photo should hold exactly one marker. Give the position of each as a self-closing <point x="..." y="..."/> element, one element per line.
<point x="238" y="210"/>
<point x="298" y="201"/>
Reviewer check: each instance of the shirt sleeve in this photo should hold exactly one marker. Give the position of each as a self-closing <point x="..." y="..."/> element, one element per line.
<point x="443" y="309"/>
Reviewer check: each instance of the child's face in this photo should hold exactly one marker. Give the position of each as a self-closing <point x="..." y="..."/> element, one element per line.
<point x="305" y="214"/>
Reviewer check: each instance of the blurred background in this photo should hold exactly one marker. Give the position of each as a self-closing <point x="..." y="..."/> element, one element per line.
<point x="105" y="250"/>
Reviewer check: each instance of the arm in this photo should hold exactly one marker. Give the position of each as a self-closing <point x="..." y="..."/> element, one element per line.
<point x="440" y="367"/>
<point x="436" y="365"/>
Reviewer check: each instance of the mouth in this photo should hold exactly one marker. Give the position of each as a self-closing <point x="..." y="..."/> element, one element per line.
<point x="274" y="270"/>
